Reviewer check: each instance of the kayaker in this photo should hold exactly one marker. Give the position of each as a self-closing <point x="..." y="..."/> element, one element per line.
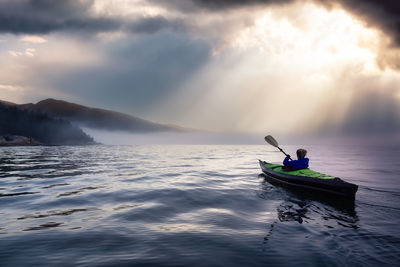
<point x="300" y="163"/>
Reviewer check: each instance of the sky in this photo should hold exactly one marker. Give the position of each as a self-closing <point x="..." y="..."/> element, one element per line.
<point x="272" y="66"/>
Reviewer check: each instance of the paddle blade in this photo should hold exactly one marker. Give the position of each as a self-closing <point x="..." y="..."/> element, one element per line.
<point x="270" y="140"/>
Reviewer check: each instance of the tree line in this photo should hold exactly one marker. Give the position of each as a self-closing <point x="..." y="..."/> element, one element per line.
<point x="40" y="126"/>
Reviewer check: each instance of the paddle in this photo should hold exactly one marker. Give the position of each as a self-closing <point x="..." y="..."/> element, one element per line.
<point x="270" y="140"/>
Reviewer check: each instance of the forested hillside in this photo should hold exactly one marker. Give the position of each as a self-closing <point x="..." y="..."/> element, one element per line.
<point x="40" y="126"/>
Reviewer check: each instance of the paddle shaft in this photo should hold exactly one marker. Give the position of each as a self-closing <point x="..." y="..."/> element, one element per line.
<point x="287" y="155"/>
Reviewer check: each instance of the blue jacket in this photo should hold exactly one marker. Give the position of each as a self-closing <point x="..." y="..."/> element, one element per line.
<point x="296" y="164"/>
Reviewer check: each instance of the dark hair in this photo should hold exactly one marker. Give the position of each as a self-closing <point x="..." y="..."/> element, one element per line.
<point x="301" y="153"/>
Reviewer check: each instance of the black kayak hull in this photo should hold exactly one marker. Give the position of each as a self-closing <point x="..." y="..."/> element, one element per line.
<point x="332" y="187"/>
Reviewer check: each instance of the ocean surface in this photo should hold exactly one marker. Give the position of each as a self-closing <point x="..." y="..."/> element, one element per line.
<point x="178" y="205"/>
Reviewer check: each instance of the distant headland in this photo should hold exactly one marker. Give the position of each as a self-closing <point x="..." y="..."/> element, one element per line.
<point x="57" y="122"/>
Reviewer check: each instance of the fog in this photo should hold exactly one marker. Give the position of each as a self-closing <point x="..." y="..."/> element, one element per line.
<point x="221" y="138"/>
<point x="164" y="138"/>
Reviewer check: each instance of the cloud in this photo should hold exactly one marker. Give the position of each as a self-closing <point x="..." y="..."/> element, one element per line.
<point x="223" y="4"/>
<point x="377" y="13"/>
<point x="46" y="16"/>
<point x="30" y="52"/>
<point x="381" y="14"/>
<point x="15" y="53"/>
<point x="268" y="55"/>
<point x="11" y="88"/>
<point x="43" y="16"/>
<point x="33" y="39"/>
<point x="154" y="24"/>
<point x="215" y="5"/>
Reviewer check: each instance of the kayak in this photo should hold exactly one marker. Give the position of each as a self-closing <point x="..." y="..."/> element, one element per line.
<point x="309" y="180"/>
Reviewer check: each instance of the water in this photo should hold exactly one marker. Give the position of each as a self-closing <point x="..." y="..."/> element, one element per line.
<point x="193" y="206"/>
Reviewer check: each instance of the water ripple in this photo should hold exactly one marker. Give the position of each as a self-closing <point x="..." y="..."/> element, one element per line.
<point x="190" y="205"/>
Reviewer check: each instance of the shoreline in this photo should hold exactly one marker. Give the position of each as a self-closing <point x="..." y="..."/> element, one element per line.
<point x="10" y="140"/>
<point x="18" y="140"/>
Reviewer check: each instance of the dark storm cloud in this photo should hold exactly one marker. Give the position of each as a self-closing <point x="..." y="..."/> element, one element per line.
<point x="45" y="16"/>
<point x="214" y="5"/>
<point x="221" y="4"/>
<point x="384" y="14"/>
<point x="154" y="24"/>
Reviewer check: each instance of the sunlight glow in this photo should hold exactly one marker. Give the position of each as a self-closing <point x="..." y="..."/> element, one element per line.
<point x="321" y="38"/>
<point x="294" y="69"/>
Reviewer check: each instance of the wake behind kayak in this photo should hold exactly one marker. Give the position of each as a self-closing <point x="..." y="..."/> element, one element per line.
<point x="309" y="180"/>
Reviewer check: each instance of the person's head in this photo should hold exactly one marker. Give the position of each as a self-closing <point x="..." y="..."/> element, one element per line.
<point x="301" y="153"/>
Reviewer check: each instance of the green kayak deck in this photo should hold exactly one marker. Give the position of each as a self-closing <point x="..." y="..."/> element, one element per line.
<point x="301" y="172"/>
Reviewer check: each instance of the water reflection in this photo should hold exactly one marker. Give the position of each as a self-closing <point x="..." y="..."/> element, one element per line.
<point x="287" y="212"/>
<point x="55" y="213"/>
<point x="44" y="226"/>
<point x="80" y="190"/>
<point x="17" y="194"/>
<point x="306" y="207"/>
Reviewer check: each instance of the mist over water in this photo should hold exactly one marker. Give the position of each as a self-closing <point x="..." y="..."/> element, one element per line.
<point x="193" y="205"/>
<point x="164" y="138"/>
<point x="108" y="137"/>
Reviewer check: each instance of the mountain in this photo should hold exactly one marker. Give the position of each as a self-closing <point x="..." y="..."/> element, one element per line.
<point x="98" y="118"/>
<point x="35" y="125"/>
<point x="7" y="104"/>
